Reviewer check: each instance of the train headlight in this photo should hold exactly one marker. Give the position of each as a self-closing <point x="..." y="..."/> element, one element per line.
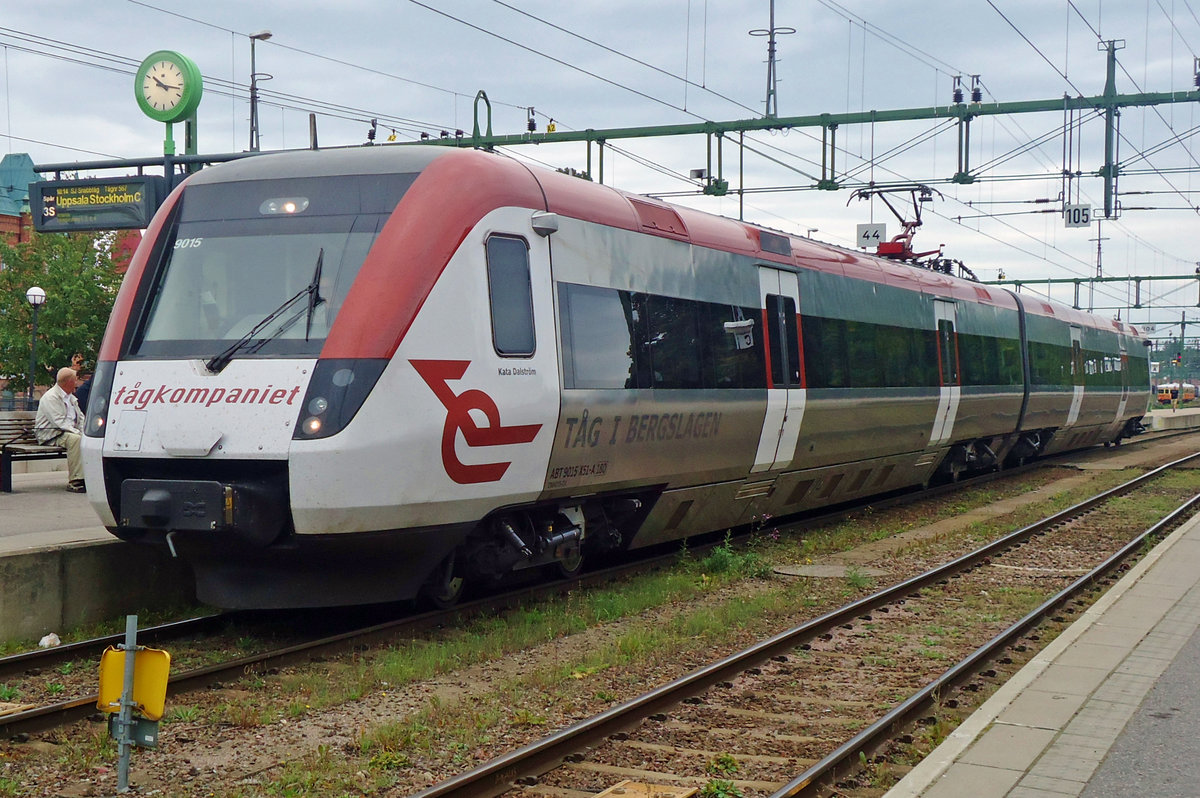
<point x="97" y="409"/>
<point x="283" y="206"/>
<point x="338" y="388"/>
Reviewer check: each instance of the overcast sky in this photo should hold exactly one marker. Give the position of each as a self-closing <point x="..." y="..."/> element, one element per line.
<point x="67" y="68"/>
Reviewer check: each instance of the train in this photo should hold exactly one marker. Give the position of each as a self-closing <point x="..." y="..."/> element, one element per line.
<point x="376" y="374"/>
<point x="1167" y="391"/>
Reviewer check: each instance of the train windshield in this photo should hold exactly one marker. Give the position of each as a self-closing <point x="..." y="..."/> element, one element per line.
<point x="237" y="252"/>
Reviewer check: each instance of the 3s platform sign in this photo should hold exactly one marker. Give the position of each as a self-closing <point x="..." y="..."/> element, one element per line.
<point x="65" y="206"/>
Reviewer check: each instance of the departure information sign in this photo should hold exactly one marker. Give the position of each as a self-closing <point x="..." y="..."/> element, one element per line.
<point x="64" y="206"/>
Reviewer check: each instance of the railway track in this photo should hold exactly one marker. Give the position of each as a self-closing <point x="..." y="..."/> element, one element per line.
<point x="791" y="714"/>
<point x="40" y="718"/>
<point x="32" y="718"/>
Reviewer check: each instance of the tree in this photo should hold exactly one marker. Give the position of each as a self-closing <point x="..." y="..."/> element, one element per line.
<point x="76" y="270"/>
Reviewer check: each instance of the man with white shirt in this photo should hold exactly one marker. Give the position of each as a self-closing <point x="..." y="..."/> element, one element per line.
<point x="59" y="421"/>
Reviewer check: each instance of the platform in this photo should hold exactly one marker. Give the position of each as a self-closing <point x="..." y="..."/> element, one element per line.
<point x="1107" y="709"/>
<point x="60" y="568"/>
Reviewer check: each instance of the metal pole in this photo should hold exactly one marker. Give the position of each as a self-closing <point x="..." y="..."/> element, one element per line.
<point x="33" y="356"/>
<point x="1109" y="171"/>
<point x="771" y="105"/>
<point x="260" y="36"/>
<point x="253" y="101"/>
<point x="125" y="717"/>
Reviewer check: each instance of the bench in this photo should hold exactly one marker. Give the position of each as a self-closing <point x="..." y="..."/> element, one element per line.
<point x="17" y="442"/>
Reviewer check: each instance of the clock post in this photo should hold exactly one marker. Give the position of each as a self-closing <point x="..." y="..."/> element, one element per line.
<point x="168" y="88"/>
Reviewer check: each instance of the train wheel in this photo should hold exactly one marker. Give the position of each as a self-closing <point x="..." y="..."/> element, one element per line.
<point x="569" y="567"/>
<point x="444" y="589"/>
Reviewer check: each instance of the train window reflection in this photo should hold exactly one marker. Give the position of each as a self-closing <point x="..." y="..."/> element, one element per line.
<point x="510" y="296"/>
<point x="219" y="280"/>
<point x="597" y="337"/>
<point x="619" y="339"/>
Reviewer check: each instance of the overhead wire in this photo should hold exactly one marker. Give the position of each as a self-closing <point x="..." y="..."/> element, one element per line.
<point x="1099" y="38"/>
<point x="215" y="85"/>
<point x="1036" y="49"/>
<point x="319" y="56"/>
<point x="559" y="61"/>
<point x="290" y="100"/>
<point x="1138" y="87"/>
<point x="620" y="54"/>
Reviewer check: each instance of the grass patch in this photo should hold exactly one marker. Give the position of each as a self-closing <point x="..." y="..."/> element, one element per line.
<point x="183" y="713"/>
<point x="107" y="627"/>
<point x="720" y="788"/>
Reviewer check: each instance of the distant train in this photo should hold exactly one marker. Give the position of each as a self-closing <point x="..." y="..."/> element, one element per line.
<point x="361" y="375"/>
<point x="1173" y="390"/>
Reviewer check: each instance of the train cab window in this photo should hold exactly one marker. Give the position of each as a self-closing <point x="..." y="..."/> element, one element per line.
<point x="269" y="262"/>
<point x="510" y="295"/>
<point x="784" y="343"/>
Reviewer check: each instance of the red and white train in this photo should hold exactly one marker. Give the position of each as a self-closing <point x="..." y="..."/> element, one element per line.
<point x="357" y="375"/>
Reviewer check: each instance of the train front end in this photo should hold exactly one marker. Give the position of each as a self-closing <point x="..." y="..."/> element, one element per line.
<point x="211" y="372"/>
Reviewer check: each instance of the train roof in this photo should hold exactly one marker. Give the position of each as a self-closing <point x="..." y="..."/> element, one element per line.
<point x="494" y="180"/>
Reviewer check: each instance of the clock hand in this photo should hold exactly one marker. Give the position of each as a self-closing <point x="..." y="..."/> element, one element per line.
<point x="164" y="86"/>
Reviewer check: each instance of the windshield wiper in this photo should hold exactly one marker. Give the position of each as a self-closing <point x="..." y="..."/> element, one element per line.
<point x="220" y="361"/>
<point x="314" y="293"/>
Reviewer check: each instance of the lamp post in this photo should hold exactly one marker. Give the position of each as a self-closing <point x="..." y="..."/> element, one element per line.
<point x="261" y="36"/>
<point x="36" y="297"/>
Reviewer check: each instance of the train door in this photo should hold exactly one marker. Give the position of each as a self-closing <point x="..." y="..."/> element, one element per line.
<point x="1123" y="365"/>
<point x="1076" y="374"/>
<point x="779" y="292"/>
<point x="950" y="392"/>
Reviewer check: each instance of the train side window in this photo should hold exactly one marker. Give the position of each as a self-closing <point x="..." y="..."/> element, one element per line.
<point x="783" y="341"/>
<point x="510" y="294"/>
<point x="597" y="337"/>
<point x="673" y="343"/>
<point x="730" y="361"/>
<point x="949" y="345"/>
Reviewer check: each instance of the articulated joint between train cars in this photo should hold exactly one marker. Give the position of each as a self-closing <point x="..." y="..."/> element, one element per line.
<point x="970" y="456"/>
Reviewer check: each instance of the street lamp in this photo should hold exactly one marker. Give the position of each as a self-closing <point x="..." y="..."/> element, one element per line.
<point x="261" y="36"/>
<point x="36" y="297"/>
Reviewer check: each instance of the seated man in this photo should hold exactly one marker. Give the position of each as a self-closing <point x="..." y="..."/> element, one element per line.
<point x="59" y="421"/>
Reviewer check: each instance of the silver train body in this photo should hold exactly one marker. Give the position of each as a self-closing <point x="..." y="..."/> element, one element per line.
<point x="352" y="376"/>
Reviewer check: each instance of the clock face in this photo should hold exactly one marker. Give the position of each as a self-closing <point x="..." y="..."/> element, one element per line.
<point x="163" y="86"/>
<point x="168" y="86"/>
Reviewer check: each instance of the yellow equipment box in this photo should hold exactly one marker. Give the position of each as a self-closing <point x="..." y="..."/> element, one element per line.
<point x="151" y="669"/>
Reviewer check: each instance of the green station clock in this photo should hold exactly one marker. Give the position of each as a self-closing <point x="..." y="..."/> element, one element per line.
<point x="168" y="86"/>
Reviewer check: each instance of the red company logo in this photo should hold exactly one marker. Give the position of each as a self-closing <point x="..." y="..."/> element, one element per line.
<point x="437" y="373"/>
